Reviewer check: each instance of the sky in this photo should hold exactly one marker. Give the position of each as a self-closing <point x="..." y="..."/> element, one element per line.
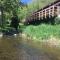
<point x="26" y="1"/>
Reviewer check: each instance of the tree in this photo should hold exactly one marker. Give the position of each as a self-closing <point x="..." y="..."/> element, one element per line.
<point x="8" y="8"/>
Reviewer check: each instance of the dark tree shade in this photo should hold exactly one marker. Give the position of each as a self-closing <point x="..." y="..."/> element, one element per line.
<point x="15" y="22"/>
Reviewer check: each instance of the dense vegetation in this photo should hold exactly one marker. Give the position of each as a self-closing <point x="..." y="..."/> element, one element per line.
<point x="43" y="31"/>
<point x="9" y="8"/>
<point x="38" y="4"/>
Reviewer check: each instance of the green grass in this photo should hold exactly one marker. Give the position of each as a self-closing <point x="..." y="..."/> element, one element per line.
<point x="42" y="31"/>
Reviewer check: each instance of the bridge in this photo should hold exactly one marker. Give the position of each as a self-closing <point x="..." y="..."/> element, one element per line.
<point x="51" y="10"/>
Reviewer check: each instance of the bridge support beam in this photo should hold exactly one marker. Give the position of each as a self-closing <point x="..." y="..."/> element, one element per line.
<point x="45" y="14"/>
<point x="58" y="10"/>
<point x="53" y="11"/>
<point x="42" y="15"/>
<point x="49" y="12"/>
<point x="39" y="15"/>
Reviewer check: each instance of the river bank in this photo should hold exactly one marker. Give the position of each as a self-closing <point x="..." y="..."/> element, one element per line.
<point x="50" y="47"/>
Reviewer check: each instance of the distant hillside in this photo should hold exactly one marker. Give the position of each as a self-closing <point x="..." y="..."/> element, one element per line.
<point x="43" y="3"/>
<point x="38" y="4"/>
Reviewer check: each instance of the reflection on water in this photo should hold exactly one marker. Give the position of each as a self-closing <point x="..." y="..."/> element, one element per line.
<point x="14" y="48"/>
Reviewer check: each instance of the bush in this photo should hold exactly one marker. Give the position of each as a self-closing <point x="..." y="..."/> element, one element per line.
<point x="57" y="20"/>
<point x="43" y="31"/>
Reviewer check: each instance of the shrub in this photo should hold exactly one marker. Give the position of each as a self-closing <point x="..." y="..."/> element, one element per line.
<point x="57" y="20"/>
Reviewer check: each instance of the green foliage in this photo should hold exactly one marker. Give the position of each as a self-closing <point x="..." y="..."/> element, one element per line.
<point x="11" y="8"/>
<point x="57" y="20"/>
<point x="38" y="4"/>
<point x="22" y="12"/>
<point x="9" y="5"/>
<point x="8" y="8"/>
<point x="43" y="31"/>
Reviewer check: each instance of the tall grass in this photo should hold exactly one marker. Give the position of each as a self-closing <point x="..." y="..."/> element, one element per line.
<point x="43" y="31"/>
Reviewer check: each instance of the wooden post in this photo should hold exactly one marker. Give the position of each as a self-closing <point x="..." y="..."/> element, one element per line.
<point x="49" y="12"/>
<point x="42" y="14"/>
<point x="45" y="14"/>
<point x="52" y="10"/>
<point x="36" y="16"/>
<point x="39" y="15"/>
<point x="58" y="10"/>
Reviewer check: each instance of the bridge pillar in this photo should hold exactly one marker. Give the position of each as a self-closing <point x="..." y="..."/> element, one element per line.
<point x="53" y="11"/>
<point x="39" y="15"/>
<point x="45" y="14"/>
<point x="34" y="16"/>
<point x="58" y="10"/>
<point x="42" y="14"/>
<point x="49" y="12"/>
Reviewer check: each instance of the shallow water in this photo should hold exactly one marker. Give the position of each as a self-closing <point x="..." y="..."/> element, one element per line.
<point x="15" y="48"/>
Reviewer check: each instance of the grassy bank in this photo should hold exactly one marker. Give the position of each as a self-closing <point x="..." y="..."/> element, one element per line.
<point x="43" y="31"/>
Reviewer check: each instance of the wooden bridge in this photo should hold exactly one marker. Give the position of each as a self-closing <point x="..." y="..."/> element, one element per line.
<point x="49" y="11"/>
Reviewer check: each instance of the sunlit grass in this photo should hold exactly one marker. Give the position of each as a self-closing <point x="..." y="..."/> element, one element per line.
<point x="43" y="31"/>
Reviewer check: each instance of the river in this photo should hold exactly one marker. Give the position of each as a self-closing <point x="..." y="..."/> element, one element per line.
<point x="14" y="48"/>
